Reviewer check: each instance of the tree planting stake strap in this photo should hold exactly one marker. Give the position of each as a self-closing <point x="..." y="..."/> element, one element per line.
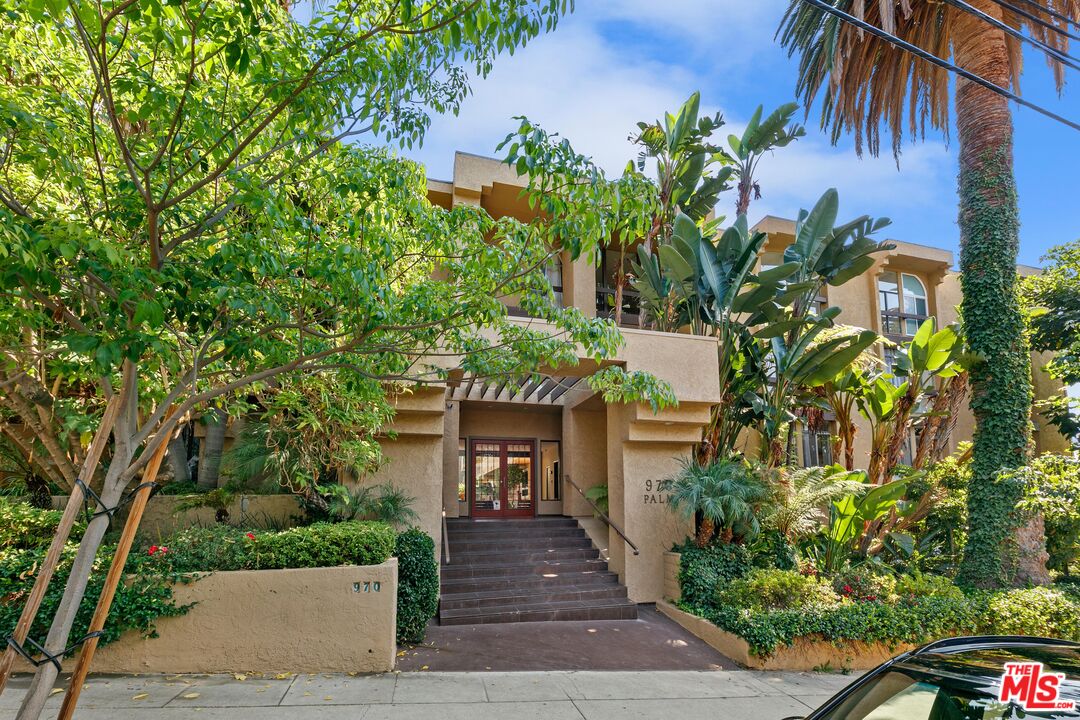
<point x="138" y="498"/>
<point x="63" y="530"/>
<point x="89" y="494"/>
<point x="57" y="659"/>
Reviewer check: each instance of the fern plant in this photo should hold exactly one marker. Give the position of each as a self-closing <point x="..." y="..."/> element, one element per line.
<point x="800" y="504"/>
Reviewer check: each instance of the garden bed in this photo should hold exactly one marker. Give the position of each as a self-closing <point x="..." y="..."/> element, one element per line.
<point x="804" y="654"/>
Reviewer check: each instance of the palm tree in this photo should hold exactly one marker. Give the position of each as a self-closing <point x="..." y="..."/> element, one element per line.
<point x="725" y="495"/>
<point x="868" y="82"/>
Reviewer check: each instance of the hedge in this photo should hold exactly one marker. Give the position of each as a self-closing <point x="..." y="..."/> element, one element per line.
<point x="418" y="584"/>
<point x="1050" y="612"/>
<point x="223" y="547"/>
<point x="24" y="526"/>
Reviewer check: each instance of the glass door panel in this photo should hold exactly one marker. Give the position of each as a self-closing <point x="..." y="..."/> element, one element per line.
<point x="519" y="466"/>
<point x="487" y="474"/>
<point x="502" y="477"/>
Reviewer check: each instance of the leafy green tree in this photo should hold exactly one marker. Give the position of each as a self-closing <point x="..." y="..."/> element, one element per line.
<point x="1051" y="301"/>
<point x="182" y="219"/>
<point x="867" y="82"/>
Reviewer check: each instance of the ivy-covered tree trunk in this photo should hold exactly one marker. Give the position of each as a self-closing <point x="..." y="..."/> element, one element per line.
<point x="989" y="241"/>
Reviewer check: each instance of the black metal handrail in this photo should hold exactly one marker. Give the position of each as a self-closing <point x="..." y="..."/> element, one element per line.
<point x="603" y="515"/>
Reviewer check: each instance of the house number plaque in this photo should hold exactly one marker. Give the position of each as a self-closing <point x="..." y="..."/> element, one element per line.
<point x="367" y="586"/>
<point x="653" y="496"/>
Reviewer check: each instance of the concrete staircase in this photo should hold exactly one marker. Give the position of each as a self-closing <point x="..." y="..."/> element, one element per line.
<point x="527" y="570"/>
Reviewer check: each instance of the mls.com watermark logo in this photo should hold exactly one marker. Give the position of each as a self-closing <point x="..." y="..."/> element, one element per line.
<point x="1027" y="685"/>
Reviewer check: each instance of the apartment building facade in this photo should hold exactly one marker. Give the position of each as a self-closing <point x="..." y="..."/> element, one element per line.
<point x="504" y="450"/>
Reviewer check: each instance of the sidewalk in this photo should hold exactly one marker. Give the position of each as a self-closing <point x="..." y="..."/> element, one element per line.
<point x="583" y="695"/>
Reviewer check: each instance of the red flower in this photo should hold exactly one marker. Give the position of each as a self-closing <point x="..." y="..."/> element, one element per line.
<point x="847" y="589"/>
<point x="153" y="549"/>
<point x="251" y="536"/>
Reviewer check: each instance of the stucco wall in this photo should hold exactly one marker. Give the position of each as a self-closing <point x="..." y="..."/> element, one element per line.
<point x="160" y="517"/>
<point x="340" y="619"/>
<point x="414" y="464"/>
<point x="584" y="456"/>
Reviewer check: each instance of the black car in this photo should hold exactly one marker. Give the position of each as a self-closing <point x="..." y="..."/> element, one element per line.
<point x="967" y="678"/>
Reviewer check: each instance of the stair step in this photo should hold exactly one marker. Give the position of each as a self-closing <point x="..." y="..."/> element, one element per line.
<point x="458" y="572"/>
<point x="511" y="525"/>
<point x="529" y="583"/>
<point x="571" y="610"/>
<point x="497" y="598"/>
<point x="518" y="544"/>
<point x="493" y="556"/>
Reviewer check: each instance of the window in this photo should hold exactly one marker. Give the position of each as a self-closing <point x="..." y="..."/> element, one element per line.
<point x="553" y="273"/>
<point x="817" y="447"/>
<point x="903" y="303"/>
<point x="550" y="478"/>
<point x="463" y="472"/>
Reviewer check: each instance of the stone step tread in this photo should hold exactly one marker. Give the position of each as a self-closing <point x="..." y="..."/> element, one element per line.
<point x="492" y="598"/>
<point x="518" y="542"/>
<point x="539" y="605"/>
<point x="475" y="558"/>
<point x="517" y="569"/>
<point x="529" y="583"/>
<point x="617" y="611"/>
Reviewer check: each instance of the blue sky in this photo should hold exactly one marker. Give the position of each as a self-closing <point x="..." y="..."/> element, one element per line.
<point x="614" y="62"/>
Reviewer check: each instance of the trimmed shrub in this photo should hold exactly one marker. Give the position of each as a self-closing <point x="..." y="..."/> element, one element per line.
<point x="1034" y="611"/>
<point x="771" y="589"/>
<point x="418" y="584"/>
<point x="318" y="545"/>
<point x="923" y="586"/>
<point x="909" y="622"/>
<point x="703" y="570"/>
<point x="23" y="526"/>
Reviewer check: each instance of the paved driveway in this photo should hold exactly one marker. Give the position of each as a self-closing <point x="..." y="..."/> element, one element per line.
<point x="583" y="695"/>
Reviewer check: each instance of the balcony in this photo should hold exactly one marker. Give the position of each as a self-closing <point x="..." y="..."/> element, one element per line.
<point x="631" y="305"/>
<point x="900" y="326"/>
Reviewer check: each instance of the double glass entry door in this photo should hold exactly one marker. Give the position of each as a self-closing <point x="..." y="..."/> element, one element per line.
<point x="502" y="474"/>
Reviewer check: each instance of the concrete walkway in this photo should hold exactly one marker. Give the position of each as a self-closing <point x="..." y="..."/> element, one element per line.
<point x="652" y="642"/>
<point x="585" y="695"/>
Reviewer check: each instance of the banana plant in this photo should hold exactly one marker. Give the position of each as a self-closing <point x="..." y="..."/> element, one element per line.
<point x="685" y="160"/>
<point x="850" y="517"/>
<point x="758" y="138"/>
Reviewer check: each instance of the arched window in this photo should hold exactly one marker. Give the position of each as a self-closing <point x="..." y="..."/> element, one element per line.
<point x="903" y="303"/>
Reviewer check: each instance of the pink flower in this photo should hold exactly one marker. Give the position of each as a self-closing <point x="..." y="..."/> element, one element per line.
<point x="153" y="549"/>
<point x="163" y="549"/>
<point x="251" y="536"/>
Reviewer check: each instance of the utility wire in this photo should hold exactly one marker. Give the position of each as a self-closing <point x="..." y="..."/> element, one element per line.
<point x="1053" y="52"/>
<point x="1053" y="13"/>
<point x="1036" y="19"/>
<point x="935" y="60"/>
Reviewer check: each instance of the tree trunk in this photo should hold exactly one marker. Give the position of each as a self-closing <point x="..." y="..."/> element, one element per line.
<point x="989" y="240"/>
<point x="210" y="462"/>
<point x="706" y="530"/>
<point x="178" y="459"/>
<point x="60" y="630"/>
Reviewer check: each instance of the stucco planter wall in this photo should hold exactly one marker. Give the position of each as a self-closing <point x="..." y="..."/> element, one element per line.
<point x="672" y="591"/>
<point x="806" y="653"/>
<point x="339" y="619"/>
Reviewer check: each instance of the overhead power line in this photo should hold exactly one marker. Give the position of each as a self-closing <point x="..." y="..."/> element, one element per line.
<point x="1053" y="52"/>
<point x="1032" y="17"/>
<point x="1053" y="13"/>
<point x="935" y="60"/>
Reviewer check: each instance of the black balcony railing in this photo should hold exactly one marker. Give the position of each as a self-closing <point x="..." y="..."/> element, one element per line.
<point x="631" y="305"/>
<point x="898" y="325"/>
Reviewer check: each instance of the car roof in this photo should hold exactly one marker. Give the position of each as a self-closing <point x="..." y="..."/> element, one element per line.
<point x="979" y="661"/>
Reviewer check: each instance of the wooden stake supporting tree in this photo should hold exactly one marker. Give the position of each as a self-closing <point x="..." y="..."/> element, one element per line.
<point x="112" y="581"/>
<point x="63" y="532"/>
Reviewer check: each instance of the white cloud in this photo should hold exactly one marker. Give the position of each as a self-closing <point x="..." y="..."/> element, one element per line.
<point x="585" y="83"/>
